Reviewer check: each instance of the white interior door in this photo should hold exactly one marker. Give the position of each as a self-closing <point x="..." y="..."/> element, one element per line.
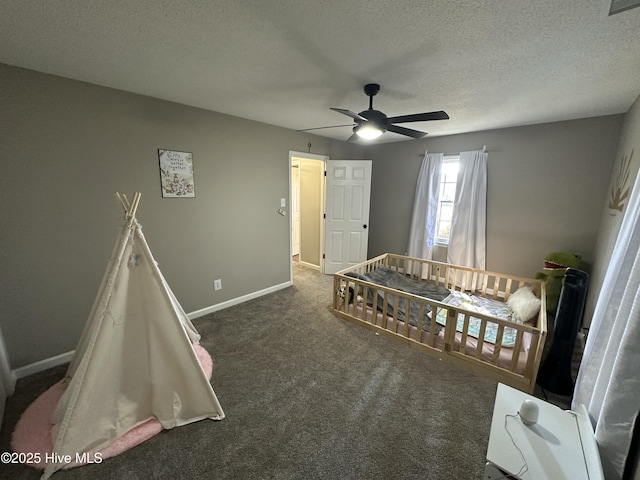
<point x="348" y="191"/>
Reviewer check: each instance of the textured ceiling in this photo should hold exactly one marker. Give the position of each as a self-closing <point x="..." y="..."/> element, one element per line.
<point x="487" y="63"/>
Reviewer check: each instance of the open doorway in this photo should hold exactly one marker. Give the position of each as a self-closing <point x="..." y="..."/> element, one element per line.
<point x="307" y="208"/>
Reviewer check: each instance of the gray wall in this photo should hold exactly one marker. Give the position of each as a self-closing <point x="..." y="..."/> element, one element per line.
<point x="611" y="220"/>
<point x="68" y="146"/>
<point x="546" y="187"/>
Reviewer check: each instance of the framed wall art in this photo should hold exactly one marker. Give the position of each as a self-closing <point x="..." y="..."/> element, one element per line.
<point x="176" y="174"/>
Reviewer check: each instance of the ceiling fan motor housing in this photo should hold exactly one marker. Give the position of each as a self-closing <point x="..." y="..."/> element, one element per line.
<point x="376" y="117"/>
<point x="371" y="89"/>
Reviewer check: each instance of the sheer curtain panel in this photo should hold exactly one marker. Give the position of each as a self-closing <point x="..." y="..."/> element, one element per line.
<point x="608" y="382"/>
<point x="425" y="207"/>
<point x="467" y="240"/>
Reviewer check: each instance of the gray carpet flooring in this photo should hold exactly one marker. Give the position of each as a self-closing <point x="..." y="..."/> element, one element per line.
<point x="307" y="396"/>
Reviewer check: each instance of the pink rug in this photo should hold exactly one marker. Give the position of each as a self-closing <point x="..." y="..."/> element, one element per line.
<point x="33" y="430"/>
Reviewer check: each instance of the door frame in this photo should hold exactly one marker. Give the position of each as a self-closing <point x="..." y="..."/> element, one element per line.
<point x="309" y="156"/>
<point x="295" y="172"/>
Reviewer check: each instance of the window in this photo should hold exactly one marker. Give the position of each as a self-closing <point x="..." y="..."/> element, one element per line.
<point x="448" y="179"/>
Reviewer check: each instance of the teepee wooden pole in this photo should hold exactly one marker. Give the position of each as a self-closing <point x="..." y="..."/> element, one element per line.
<point x="130" y="208"/>
<point x="134" y="204"/>
<point x="123" y="201"/>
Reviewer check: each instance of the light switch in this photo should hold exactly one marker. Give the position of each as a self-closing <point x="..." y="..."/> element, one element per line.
<point x="283" y="202"/>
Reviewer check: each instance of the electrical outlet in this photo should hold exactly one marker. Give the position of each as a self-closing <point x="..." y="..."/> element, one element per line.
<point x="217" y="284"/>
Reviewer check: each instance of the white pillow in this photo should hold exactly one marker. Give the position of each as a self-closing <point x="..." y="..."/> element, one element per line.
<point x="524" y="303"/>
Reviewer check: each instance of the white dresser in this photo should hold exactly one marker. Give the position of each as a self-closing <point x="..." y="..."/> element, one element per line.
<point x="560" y="445"/>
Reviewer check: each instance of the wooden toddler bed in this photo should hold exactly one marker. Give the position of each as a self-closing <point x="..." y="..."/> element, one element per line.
<point x="479" y="316"/>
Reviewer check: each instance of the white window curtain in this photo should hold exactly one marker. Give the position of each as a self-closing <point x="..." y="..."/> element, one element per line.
<point x="467" y="239"/>
<point x="608" y="382"/>
<point x="425" y="207"/>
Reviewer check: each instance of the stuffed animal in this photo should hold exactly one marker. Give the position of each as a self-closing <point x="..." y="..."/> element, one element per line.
<point x="343" y="294"/>
<point x="555" y="266"/>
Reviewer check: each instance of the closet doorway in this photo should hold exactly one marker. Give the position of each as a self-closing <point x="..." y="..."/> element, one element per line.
<point x="307" y="208"/>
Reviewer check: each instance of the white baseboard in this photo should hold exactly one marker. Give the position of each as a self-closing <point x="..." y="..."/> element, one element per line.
<point x="311" y="265"/>
<point x="66" y="357"/>
<point x="43" y="364"/>
<point x="238" y="300"/>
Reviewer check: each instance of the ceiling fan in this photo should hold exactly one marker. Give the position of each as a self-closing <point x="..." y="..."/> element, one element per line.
<point x="370" y="124"/>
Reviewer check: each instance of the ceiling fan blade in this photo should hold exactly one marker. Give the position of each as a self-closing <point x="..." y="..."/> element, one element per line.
<point x="420" y="117"/>
<point x="349" y="113"/>
<point x="353" y="138"/>
<point x="405" y="131"/>
<point x="321" y="128"/>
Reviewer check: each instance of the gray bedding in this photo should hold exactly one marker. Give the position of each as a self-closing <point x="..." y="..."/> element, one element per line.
<point x="392" y="279"/>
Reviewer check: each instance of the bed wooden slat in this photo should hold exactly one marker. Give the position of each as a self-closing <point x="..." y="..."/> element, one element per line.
<point x="481" y="334"/>
<point x="450" y="330"/>
<point x="421" y="320"/>
<point x="516" y="350"/>
<point x="496" y="288"/>
<point x="395" y="312"/>
<point x="465" y="329"/>
<point x="385" y="308"/>
<point x="497" y="346"/>
<point x="508" y="289"/>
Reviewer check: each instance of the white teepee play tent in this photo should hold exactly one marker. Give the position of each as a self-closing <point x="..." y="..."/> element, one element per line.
<point x="135" y="360"/>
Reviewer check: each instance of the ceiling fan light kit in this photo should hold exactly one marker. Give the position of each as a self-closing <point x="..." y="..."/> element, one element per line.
<point x="367" y="131"/>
